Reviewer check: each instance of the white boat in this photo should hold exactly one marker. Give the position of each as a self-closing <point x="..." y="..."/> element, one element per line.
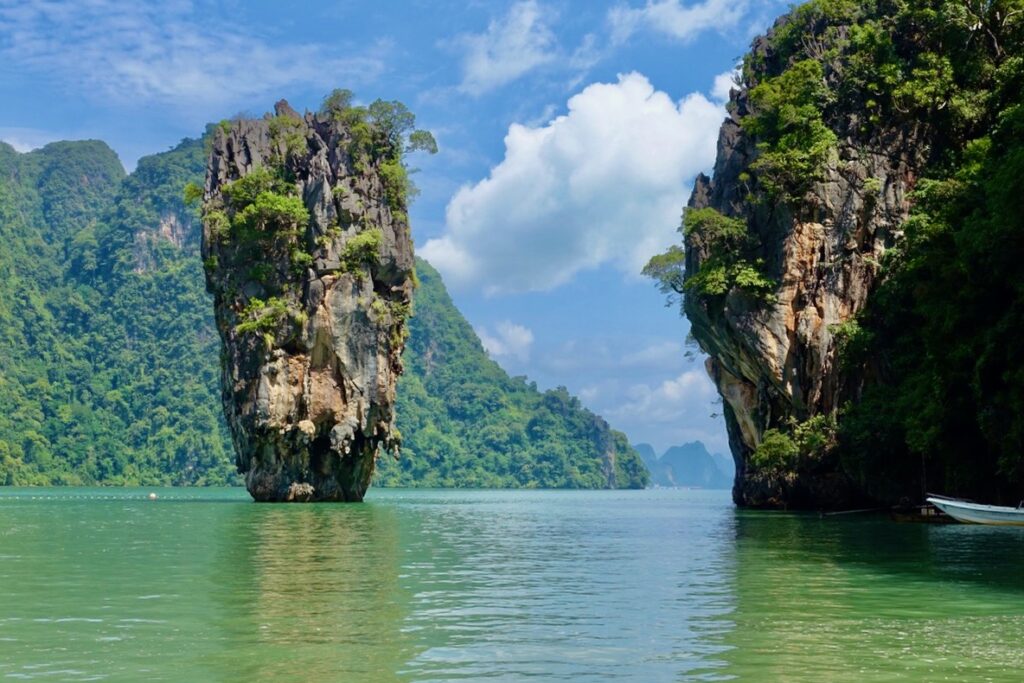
<point x="974" y="513"/>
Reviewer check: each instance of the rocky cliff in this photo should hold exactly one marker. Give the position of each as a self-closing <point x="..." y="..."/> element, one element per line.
<point x="774" y="359"/>
<point x="842" y="108"/>
<point x="309" y="258"/>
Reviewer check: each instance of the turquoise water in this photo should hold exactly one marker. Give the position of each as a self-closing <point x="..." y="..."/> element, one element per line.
<point x="203" y="585"/>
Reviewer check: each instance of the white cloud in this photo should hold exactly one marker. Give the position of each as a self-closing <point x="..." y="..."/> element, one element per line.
<point x="587" y="54"/>
<point x="672" y="400"/>
<point x="517" y="43"/>
<point x="665" y="413"/>
<point x="608" y="358"/>
<point x="655" y="355"/>
<point x="163" y="52"/>
<point x="508" y="341"/>
<point x="673" y="18"/>
<point x="604" y="183"/>
<point x="28" y="139"/>
<point x="724" y="83"/>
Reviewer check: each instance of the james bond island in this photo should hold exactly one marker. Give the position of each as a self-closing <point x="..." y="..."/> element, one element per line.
<point x="309" y="258"/>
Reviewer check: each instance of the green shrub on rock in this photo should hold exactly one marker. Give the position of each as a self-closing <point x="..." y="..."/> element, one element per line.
<point x="362" y="250"/>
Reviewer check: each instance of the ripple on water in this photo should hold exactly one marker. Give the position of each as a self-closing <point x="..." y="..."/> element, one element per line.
<point x="439" y="585"/>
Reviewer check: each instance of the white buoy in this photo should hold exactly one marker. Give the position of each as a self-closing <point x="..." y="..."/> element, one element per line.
<point x="152" y="496"/>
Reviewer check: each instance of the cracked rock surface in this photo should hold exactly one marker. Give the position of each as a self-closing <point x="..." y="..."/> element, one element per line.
<point x="310" y="394"/>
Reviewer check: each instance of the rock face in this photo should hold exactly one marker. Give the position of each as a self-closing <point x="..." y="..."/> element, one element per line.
<point x="777" y="361"/>
<point x="311" y="268"/>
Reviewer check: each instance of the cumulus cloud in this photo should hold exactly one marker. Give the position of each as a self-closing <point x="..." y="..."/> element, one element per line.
<point x="666" y="412"/>
<point x="601" y="184"/>
<point x="508" y="341"/>
<point x="162" y="52"/>
<point x="511" y="46"/>
<point x="672" y="400"/>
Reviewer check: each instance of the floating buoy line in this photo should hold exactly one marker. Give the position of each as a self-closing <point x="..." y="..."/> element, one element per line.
<point x="7" y="497"/>
<point x="16" y="496"/>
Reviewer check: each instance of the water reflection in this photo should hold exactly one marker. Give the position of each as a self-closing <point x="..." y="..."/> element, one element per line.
<point x="867" y="600"/>
<point x="313" y="593"/>
<point x="417" y="586"/>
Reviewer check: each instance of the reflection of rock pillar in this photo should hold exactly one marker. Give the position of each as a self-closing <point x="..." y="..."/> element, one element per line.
<point x="318" y="589"/>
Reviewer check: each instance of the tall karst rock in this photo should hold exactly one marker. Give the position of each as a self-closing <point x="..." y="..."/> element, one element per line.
<point x="819" y="200"/>
<point x="309" y="258"/>
<point x="773" y="347"/>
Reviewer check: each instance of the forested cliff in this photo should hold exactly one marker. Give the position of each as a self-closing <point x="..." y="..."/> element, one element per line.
<point x="465" y="422"/>
<point x="854" y="266"/>
<point x="109" y="365"/>
<point x="108" y="370"/>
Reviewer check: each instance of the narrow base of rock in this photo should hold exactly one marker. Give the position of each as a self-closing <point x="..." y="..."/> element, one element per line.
<point x="278" y="485"/>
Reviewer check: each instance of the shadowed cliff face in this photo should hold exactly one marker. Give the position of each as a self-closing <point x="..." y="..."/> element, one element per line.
<point x="775" y="359"/>
<point x="309" y="259"/>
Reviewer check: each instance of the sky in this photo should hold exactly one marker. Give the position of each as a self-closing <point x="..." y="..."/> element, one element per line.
<point x="570" y="133"/>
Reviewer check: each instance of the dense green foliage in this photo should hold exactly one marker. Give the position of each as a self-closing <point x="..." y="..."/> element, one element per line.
<point x="362" y="249"/>
<point x="942" y="334"/>
<point x="668" y="270"/>
<point x="946" y="329"/>
<point x="800" y="446"/>
<point x="787" y="120"/>
<point x="729" y="265"/>
<point x="941" y="66"/>
<point x="264" y="317"/>
<point x="110" y="366"/>
<point x="259" y="220"/>
<point x="384" y="132"/>
<point x="466" y="423"/>
<point x="106" y="374"/>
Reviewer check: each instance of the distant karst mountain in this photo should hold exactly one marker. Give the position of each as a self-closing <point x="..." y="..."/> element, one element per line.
<point x="688" y="465"/>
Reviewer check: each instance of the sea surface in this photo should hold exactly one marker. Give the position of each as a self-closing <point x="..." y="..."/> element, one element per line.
<point x="648" y="586"/>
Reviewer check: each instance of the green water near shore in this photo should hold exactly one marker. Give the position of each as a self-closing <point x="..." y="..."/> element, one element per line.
<point x="203" y="585"/>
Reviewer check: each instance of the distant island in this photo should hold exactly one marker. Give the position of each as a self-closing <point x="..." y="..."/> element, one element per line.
<point x="689" y="465"/>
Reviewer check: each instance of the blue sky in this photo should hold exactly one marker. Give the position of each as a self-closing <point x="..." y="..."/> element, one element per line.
<point x="570" y="134"/>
